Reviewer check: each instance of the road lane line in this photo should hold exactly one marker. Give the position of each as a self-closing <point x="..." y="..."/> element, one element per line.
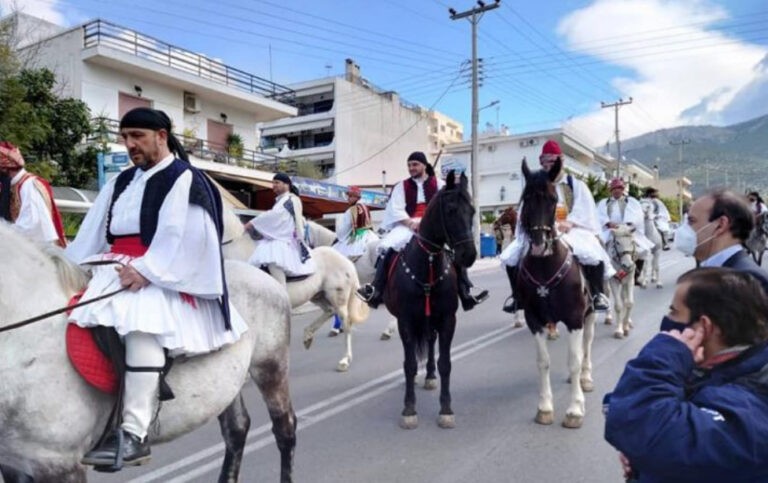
<point x="391" y="379"/>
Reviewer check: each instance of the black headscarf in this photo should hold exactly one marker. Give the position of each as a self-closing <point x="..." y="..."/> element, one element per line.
<point x="5" y="197"/>
<point x="422" y="158"/>
<point x="287" y="180"/>
<point x="147" y="118"/>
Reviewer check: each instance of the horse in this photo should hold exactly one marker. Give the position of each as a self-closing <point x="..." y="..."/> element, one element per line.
<point x="332" y="286"/>
<point x="421" y="291"/>
<point x="622" y="249"/>
<point x="317" y="235"/>
<point x="756" y="242"/>
<point x="653" y="234"/>
<point x="551" y="288"/>
<point x="45" y="437"/>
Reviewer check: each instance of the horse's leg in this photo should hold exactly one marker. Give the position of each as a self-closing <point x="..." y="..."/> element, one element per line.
<point x="446" y="419"/>
<point x="12" y="475"/>
<point x="390" y="330"/>
<point x="311" y="329"/>
<point x="545" y="413"/>
<point x="271" y="376"/>
<point x="608" y="320"/>
<point x="629" y="302"/>
<point x="620" y="307"/>
<point x="587" y="385"/>
<point x="430" y="380"/>
<point x="346" y="361"/>
<point x="234" y="423"/>
<point x="409" y="420"/>
<point x="656" y="276"/>
<point x="519" y="320"/>
<point x="574" y="415"/>
<point x="75" y="474"/>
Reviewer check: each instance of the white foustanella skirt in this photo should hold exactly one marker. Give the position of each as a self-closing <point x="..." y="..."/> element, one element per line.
<point x="183" y="324"/>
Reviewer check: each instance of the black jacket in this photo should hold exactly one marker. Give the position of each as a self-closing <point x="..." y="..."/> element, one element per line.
<point x="742" y="262"/>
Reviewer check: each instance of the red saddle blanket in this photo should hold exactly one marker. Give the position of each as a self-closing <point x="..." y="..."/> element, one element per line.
<point x="88" y="360"/>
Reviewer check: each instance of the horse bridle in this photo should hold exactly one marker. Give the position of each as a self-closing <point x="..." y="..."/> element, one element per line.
<point x="614" y="245"/>
<point x="451" y="244"/>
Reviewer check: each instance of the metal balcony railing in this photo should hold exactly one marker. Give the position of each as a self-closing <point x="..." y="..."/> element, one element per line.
<point x="108" y="130"/>
<point x="100" y="32"/>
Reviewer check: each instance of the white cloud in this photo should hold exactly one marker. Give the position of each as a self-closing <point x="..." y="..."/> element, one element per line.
<point x="678" y="68"/>
<point x="46" y="10"/>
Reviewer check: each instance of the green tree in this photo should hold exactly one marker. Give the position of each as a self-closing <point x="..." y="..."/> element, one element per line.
<point x="598" y="187"/>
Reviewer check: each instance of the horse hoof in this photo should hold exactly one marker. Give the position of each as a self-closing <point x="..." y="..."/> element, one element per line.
<point x="446" y="421"/>
<point x="342" y="366"/>
<point x="626" y="332"/>
<point x="517" y="325"/>
<point x="409" y="422"/>
<point x="587" y="385"/>
<point x="619" y="334"/>
<point x="308" y="343"/>
<point x="553" y="335"/>
<point x="430" y="384"/>
<point x="544" y="417"/>
<point x="385" y="336"/>
<point x="572" y="421"/>
<point x="659" y="285"/>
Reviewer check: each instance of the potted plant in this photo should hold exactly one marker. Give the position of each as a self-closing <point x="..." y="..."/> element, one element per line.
<point x="235" y="146"/>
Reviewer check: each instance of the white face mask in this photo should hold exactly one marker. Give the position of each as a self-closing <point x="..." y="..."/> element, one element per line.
<point x="685" y="238"/>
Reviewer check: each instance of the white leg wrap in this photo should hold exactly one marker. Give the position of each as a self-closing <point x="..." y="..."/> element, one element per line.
<point x="139" y="402"/>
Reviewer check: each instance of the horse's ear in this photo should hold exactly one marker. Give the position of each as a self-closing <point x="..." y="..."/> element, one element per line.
<point x="464" y="181"/>
<point x="526" y="170"/>
<point x="556" y="168"/>
<point x="450" y="180"/>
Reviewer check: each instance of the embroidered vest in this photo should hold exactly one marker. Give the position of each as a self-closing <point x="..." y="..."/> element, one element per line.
<point x="5" y="198"/>
<point x="361" y="217"/>
<point x="201" y="193"/>
<point x="611" y="203"/>
<point x="564" y="207"/>
<point x="411" y="193"/>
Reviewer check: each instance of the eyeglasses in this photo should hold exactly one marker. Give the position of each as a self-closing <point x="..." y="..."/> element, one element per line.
<point x="752" y="200"/>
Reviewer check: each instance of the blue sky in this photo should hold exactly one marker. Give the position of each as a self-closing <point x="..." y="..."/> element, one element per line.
<point x="548" y="62"/>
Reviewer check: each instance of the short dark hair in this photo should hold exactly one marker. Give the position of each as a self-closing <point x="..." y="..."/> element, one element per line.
<point x="736" y="209"/>
<point x="733" y="300"/>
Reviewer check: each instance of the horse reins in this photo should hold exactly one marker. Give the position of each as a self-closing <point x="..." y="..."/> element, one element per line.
<point x="61" y="310"/>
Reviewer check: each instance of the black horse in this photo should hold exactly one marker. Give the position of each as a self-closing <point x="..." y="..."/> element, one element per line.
<point x="550" y="288"/>
<point x="421" y="291"/>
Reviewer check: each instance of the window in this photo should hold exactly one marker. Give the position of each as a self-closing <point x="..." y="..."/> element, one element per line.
<point x="323" y="106"/>
<point x="442" y="128"/>
<point x="323" y="139"/>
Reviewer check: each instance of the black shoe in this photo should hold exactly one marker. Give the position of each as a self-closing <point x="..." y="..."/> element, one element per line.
<point x="105" y="457"/>
<point x="370" y="295"/>
<point x="599" y="303"/>
<point x="510" y="305"/>
<point x="469" y="302"/>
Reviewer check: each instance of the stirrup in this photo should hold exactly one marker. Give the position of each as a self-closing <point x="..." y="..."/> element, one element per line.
<point x="510" y="305"/>
<point x="366" y="292"/>
<point x="600" y="303"/>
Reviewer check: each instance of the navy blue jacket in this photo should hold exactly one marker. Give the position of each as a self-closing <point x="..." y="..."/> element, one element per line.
<point x="677" y="423"/>
<point x="743" y="262"/>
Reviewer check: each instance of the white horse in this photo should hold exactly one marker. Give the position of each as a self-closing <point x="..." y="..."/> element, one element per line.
<point x="49" y="416"/>
<point x="365" y="265"/>
<point x="653" y="234"/>
<point x="623" y="252"/>
<point x="332" y="286"/>
<point x="318" y="235"/>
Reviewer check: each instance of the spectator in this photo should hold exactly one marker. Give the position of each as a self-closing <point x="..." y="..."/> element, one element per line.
<point x="692" y="406"/>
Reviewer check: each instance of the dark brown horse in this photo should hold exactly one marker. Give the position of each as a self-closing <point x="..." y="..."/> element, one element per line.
<point x="507" y="217"/>
<point x="551" y="288"/>
<point x="421" y="291"/>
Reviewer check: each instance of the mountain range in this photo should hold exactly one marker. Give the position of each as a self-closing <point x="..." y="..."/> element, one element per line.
<point x="734" y="156"/>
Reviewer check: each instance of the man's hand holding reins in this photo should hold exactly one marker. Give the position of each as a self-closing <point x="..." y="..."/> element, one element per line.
<point x="131" y="279"/>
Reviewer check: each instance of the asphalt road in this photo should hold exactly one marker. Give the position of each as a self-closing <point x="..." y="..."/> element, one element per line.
<point x="348" y="422"/>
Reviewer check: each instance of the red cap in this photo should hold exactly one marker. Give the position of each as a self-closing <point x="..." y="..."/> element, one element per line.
<point x="551" y="147"/>
<point x="354" y="190"/>
<point x="616" y="183"/>
<point x="10" y="156"/>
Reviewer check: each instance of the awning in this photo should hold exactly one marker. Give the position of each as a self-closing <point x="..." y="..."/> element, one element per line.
<point x="296" y="127"/>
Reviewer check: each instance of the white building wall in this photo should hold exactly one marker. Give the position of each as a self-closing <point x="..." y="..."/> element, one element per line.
<point x="367" y="122"/>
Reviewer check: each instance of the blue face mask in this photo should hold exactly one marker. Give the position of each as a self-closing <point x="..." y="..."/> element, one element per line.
<point x="668" y="324"/>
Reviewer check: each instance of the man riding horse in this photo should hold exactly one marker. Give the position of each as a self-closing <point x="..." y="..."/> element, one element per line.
<point x="618" y="209"/>
<point x="282" y="249"/>
<point x="355" y="229"/>
<point x="154" y="231"/>
<point x="577" y="221"/>
<point x="660" y="214"/>
<point x="405" y="207"/>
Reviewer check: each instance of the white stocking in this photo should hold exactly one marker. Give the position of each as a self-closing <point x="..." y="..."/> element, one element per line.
<point x="139" y="401"/>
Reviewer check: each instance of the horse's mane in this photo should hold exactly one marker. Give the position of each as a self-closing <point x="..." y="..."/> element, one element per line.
<point x="537" y="185"/>
<point x="71" y="277"/>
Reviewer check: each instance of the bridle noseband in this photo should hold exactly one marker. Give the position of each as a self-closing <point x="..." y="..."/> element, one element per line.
<point x="450" y="249"/>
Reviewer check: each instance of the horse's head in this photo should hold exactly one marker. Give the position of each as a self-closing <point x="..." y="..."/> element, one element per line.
<point x="448" y="220"/>
<point x="537" y="219"/>
<point x="622" y="248"/>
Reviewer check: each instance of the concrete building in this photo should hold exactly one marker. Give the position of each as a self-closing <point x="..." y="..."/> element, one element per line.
<point x="356" y="132"/>
<point x="500" y="163"/>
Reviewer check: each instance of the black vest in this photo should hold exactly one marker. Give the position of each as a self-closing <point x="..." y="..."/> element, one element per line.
<point x="201" y="193"/>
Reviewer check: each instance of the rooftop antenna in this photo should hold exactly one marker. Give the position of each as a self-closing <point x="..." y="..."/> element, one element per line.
<point x="328" y="68"/>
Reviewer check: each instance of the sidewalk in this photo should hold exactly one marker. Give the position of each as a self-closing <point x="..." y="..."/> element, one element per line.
<point x="487" y="263"/>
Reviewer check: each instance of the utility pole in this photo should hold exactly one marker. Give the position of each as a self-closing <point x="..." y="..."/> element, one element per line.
<point x="706" y="174"/>
<point x="616" y="105"/>
<point x="474" y="15"/>
<point x="680" y="144"/>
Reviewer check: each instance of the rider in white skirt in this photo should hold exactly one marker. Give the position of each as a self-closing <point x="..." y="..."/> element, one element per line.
<point x="160" y="223"/>
<point x="620" y="209"/>
<point x="660" y="214"/>
<point x="355" y="229"/>
<point x="281" y="248"/>
<point x="576" y="219"/>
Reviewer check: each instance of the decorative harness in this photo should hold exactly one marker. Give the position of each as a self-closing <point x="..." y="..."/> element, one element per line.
<point x="448" y="253"/>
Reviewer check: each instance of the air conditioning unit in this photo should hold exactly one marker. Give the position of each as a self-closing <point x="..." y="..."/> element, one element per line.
<point x="491" y="148"/>
<point x="528" y="142"/>
<point x="191" y="102"/>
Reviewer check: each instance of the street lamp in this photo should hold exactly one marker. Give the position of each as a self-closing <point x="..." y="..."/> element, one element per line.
<point x="493" y="103"/>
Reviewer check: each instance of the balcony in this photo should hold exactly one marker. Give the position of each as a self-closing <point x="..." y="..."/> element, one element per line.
<point x="126" y="50"/>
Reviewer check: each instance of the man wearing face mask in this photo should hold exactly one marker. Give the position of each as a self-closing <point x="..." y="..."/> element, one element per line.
<point x="718" y="225"/>
<point x="756" y="203"/>
<point x="691" y="407"/>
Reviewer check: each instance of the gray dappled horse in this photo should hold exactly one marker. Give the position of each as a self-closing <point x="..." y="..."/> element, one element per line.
<point x="756" y="242"/>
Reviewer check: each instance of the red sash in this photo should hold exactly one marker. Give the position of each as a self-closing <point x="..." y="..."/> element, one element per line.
<point x="47" y="193"/>
<point x="421" y="208"/>
<point x="129" y="245"/>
